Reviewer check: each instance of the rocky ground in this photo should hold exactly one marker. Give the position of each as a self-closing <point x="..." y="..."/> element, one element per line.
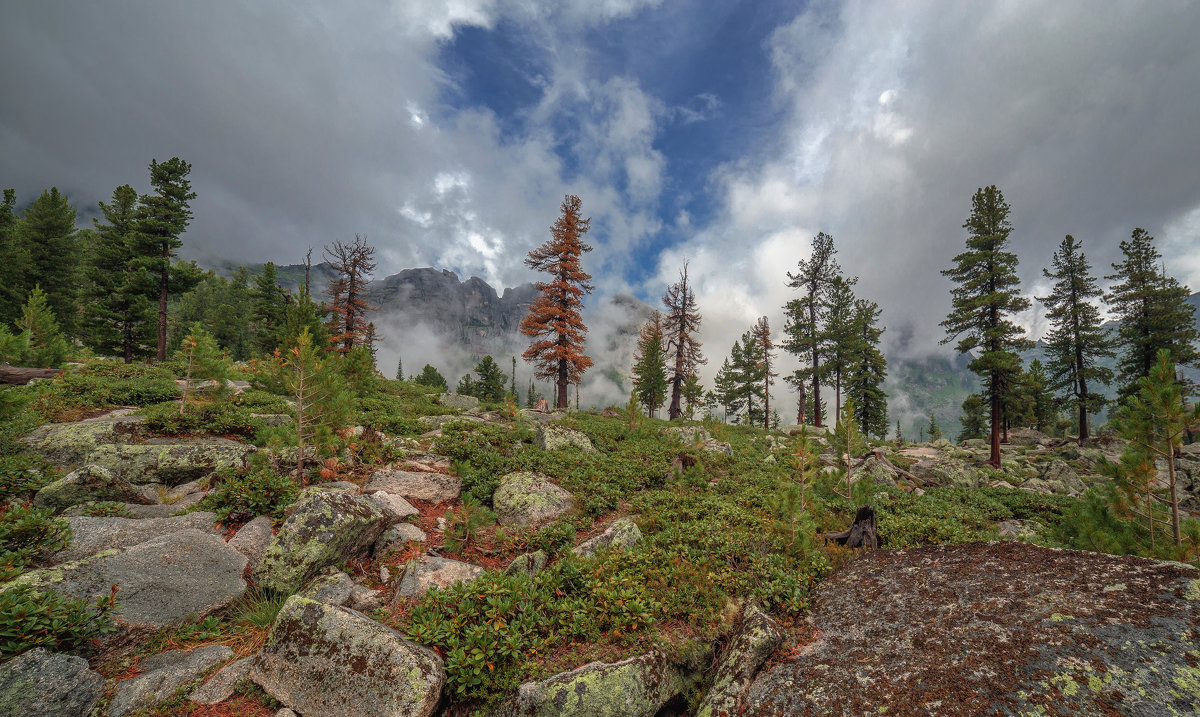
<point x="976" y="628"/>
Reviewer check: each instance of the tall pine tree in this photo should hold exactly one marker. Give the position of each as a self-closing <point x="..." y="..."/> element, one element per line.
<point x="681" y="325"/>
<point x="838" y="335"/>
<point x="804" y="316"/>
<point x="983" y="300"/>
<point x="764" y="357"/>
<point x="13" y="279"/>
<point x="1153" y="310"/>
<point x="51" y="241"/>
<point x="867" y="369"/>
<point x="268" y="303"/>
<point x="1075" y="340"/>
<point x="163" y="216"/>
<point x="554" y="321"/>
<point x="649" y="368"/>
<point x="118" y="315"/>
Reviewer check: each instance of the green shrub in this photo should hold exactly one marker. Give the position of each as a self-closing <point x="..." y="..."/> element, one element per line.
<point x="105" y="509"/>
<point x="219" y="417"/>
<point x="464" y="524"/>
<point x="104" y="384"/>
<point x="21" y="474"/>
<point x="30" y="619"/>
<point x="239" y="496"/>
<point x="27" y="534"/>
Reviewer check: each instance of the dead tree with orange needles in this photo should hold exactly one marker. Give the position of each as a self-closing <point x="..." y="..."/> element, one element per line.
<point x="554" y="319"/>
<point x="347" y="293"/>
<point x="680" y="326"/>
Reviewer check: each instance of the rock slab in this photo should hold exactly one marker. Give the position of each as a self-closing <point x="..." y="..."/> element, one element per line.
<point x="753" y="642"/>
<point x="637" y="687"/>
<point x="93" y="535"/>
<point x="431" y="487"/>
<point x="328" y="661"/>
<point x="252" y="540"/>
<point x="427" y="572"/>
<point x="87" y="484"/>
<point x="551" y="437"/>
<point x="529" y="499"/>
<point x="162" y="675"/>
<point x="222" y="685"/>
<point x="40" y="683"/>
<point x="622" y="533"/>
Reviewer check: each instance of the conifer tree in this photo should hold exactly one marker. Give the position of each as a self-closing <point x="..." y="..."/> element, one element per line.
<point x="984" y="299"/>
<point x="681" y="324"/>
<point x="1153" y="311"/>
<point x="1040" y="402"/>
<point x="202" y="360"/>
<point x="512" y="387"/>
<point x="764" y="356"/>
<point x="430" y="376"/>
<point x="848" y="442"/>
<point x="1075" y="340"/>
<point x="399" y="368"/>
<point x="899" y="433"/>
<point x="163" y="216"/>
<point x="118" y="317"/>
<point x="47" y="230"/>
<point x="16" y="260"/>
<point x="269" y="312"/>
<point x="693" y="395"/>
<point x="867" y="369"/>
<point x="302" y="315"/>
<point x="934" y="430"/>
<point x="649" y="368"/>
<point x="804" y="315"/>
<point x="322" y="403"/>
<point x="40" y="340"/>
<point x="748" y="377"/>
<point x="554" y="321"/>
<point x="838" y="335"/>
<point x="348" y="304"/>
<point x="974" y="418"/>
<point x="489" y="381"/>
<point x="725" y="390"/>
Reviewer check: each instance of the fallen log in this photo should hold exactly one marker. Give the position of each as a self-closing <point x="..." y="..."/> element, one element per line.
<point x="878" y="452"/>
<point x="862" y="533"/>
<point x="19" y="376"/>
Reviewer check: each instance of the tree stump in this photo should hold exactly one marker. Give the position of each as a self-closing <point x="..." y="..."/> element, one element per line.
<point x="862" y="532"/>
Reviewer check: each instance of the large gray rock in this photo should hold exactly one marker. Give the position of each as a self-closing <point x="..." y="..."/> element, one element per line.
<point x="622" y="533"/>
<point x="718" y="448"/>
<point x="875" y="471"/>
<point x="948" y="472"/>
<point x="431" y="487"/>
<point x="223" y="684"/>
<point x="40" y="683"/>
<point x="328" y="661"/>
<point x="325" y="528"/>
<point x="163" y="581"/>
<point x="396" y="537"/>
<point x="437" y="422"/>
<point x="458" y="402"/>
<point x="529" y="499"/>
<point x="755" y="639"/>
<point x="1058" y="478"/>
<point x="162" y="674"/>
<point x="87" y="484"/>
<point x="552" y="437"/>
<point x="637" y="687"/>
<point x="92" y="535"/>
<point x="429" y="571"/>
<point x="528" y="564"/>
<point x="252" y="540"/>
<point x="69" y="444"/>
<point x="687" y="434"/>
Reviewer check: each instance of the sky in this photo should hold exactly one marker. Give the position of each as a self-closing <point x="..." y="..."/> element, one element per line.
<point x="715" y="133"/>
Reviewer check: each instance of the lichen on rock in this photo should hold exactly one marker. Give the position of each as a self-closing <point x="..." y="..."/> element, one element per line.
<point x="526" y="498"/>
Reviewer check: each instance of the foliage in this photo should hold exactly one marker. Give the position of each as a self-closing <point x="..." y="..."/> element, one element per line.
<point x="463" y="525"/>
<point x="28" y="534"/>
<point x="814" y="278"/>
<point x="218" y="418"/>
<point x="488" y="384"/>
<point x="681" y="326"/>
<point x="163" y="216"/>
<point x="39" y="339"/>
<point x="985" y="297"/>
<point x="105" y="384"/>
<point x="649" y="367"/>
<point x="974" y="419"/>
<point x="202" y="360"/>
<point x="49" y="240"/>
<point x="554" y="322"/>
<point x="867" y="370"/>
<point x="268" y="302"/>
<point x="29" y="619"/>
<point x="430" y="376"/>
<point x="238" y="496"/>
<point x="258" y="608"/>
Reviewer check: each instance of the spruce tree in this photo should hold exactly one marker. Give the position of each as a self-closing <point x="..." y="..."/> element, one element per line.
<point x="269" y="309"/>
<point x="322" y="405"/>
<point x="489" y="381"/>
<point x="399" y="368"/>
<point x="1153" y="312"/>
<point x="555" y="321"/>
<point x="430" y="376"/>
<point x="838" y="335"/>
<point x="118" y="318"/>
<point x="681" y="324"/>
<point x="984" y="298"/>
<point x="1041" y="403"/>
<point x="163" y="216"/>
<point x="974" y="418"/>
<point x="804" y="315"/>
<point x="749" y="378"/>
<point x="649" y="368"/>
<point x="40" y="338"/>
<point x="51" y="241"/>
<point x="725" y="390"/>
<point x="764" y="357"/>
<point x="934" y="430"/>
<point x="867" y="369"/>
<point x="693" y="395"/>
<point x="13" y="279"/>
<point x="1075" y="341"/>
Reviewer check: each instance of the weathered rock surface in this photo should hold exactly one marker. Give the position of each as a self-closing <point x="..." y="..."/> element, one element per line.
<point x="637" y="687"/>
<point x="994" y="628"/>
<point x="528" y="563"/>
<point x="395" y="537"/>
<point x="436" y="422"/>
<point x="324" y="528"/>
<point x="1057" y="478"/>
<point x="40" y="683"/>
<point x="688" y="434"/>
<point x="162" y="675"/>
<point x="87" y="484"/>
<point x="334" y="588"/>
<point x="876" y="471"/>
<point x="69" y="444"/>
<point x="162" y="581"/>
<point x="458" y="402"/>
<point x="92" y="535"/>
<point x="395" y="507"/>
<point x="622" y="533"/>
<point x="719" y="448"/>
<point x="431" y="487"/>
<point x="424" y="573"/>
<point x="529" y="499"/>
<point x="252" y="540"/>
<point x="222" y="685"/>
<point x="947" y="471"/>
<point x="551" y="437"/>
<point x="749" y="647"/>
<point x="328" y="661"/>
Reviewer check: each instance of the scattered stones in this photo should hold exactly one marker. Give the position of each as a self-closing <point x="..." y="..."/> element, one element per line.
<point x="162" y="675"/>
<point x="40" y="683"/>
<point x="163" y="581"/>
<point x="424" y="573"/>
<point x="751" y="644"/>
<point x="529" y="564"/>
<point x="458" y="402"/>
<point x="551" y="437"/>
<point x="688" y="434"/>
<point x="223" y="684"/>
<point x="637" y="687"/>
<point x="92" y="535"/>
<point x="252" y="539"/>
<point x="529" y="499"/>
<point x="325" y="528"/>
<point x="87" y="484"/>
<point x="431" y="487"/>
<point x="622" y="533"/>
<point x="366" y="669"/>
